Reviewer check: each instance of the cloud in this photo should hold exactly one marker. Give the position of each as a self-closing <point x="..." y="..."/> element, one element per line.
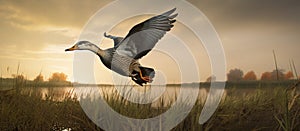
<point x="40" y="30"/>
<point x="58" y="13"/>
<point x="236" y="13"/>
<point x="32" y="25"/>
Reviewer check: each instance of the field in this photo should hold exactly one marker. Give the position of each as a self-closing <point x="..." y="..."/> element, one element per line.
<point x="268" y="107"/>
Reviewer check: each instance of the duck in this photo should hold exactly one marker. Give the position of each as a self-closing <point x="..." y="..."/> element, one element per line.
<point x="124" y="57"/>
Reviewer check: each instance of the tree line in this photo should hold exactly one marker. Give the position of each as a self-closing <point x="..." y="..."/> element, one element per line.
<point x="55" y="77"/>
<point x="233" y="75"/>
<point x="236" y="75"/>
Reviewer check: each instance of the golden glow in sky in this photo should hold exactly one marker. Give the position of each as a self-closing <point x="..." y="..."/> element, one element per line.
<point x="35" y="34"/>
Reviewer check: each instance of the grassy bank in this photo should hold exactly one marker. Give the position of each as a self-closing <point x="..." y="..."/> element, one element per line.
<point x="20" y="82"/>
<point x="275" y="108"/>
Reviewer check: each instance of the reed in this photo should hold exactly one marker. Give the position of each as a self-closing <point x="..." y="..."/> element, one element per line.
<point x="275" y="108"/>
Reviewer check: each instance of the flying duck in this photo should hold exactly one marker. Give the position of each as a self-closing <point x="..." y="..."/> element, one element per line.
<point x="124" y="57"/>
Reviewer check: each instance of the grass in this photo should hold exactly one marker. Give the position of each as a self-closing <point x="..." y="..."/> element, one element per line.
<point x="275" y="108"/>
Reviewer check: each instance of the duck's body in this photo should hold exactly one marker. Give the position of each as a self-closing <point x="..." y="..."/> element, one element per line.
<point x="123" y="57"/>
<point x="117" y="63"/>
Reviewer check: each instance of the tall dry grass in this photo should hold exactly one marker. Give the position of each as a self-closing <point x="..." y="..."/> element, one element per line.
<point x="274" y="108"/>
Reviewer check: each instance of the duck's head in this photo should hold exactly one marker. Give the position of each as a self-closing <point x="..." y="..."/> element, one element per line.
<point x="83" y="45"/>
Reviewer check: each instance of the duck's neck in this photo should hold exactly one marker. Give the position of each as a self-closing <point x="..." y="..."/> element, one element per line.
<point x="96" y="50"/>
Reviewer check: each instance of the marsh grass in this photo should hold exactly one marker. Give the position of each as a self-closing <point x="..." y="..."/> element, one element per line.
<point x="275" y="108"/>
<point x="287" y="117"/>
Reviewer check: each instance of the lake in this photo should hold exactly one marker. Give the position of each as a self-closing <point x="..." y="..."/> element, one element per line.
<point x="153" y="94"/>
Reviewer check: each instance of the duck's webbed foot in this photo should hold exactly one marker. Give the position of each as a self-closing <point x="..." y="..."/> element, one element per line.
<point x="135" y="76"/>
<point x="138" y="81"/>
<point x="138" y="78"/>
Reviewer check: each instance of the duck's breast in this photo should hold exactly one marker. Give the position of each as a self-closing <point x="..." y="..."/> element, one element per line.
<point x="117" y="63"/>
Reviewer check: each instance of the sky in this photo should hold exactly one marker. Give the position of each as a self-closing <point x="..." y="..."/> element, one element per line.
<point x="35" y="33"/>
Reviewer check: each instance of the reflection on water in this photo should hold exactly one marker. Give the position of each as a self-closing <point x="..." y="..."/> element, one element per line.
<point x="144" y="95"/>
<point x="53" y="93"/>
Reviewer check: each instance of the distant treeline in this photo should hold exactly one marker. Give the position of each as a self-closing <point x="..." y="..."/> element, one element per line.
<point x="236" y="75"/>
<point x="21" y="82"/>
<point x="18" y="80"/>
<point x="243" y="84"/>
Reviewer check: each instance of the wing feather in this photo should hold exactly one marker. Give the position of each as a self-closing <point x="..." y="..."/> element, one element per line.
<point x="143" y="36"/>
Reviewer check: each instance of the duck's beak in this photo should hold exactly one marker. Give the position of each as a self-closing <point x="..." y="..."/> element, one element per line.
<point x="71" y="49"/>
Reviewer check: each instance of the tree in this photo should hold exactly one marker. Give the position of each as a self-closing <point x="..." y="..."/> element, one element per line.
<point x="19" y="77"/>
<point x="235" y="75"/>
<point x="39" y="78"/>
<point x="266" y="76"/>
<point x="211" y="78"/>
<point x="58" y="77"/>
<point x="250" y="76"/>
<point x="20" y="81"/>
<point x="289" y="75"/>
<point x="280" y="75"/>
<point x="273" y="75"/>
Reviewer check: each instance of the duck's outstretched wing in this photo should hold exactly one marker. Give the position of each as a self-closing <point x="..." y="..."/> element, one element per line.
<point x="143" y="36"/>
<point x="116" y="39"/>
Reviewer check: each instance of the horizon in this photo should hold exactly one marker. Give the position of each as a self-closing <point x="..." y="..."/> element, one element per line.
<point x="258" y="78"/>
